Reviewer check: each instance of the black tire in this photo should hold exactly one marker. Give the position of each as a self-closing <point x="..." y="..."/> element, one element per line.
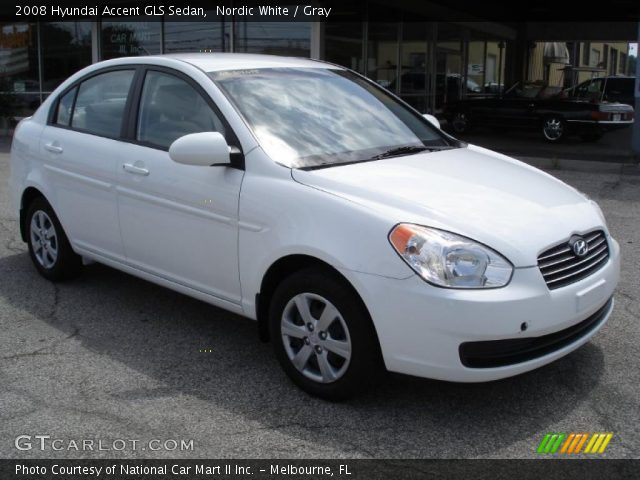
<point x="364" y="365"/>
<point x="591" y="137"/>
<point x="461" y="122"/>
<point x="554" y="129"/>
<point x="66" y="264"/>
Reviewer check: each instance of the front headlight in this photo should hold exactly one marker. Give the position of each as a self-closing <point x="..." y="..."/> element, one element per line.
<point x="449" y="260"/>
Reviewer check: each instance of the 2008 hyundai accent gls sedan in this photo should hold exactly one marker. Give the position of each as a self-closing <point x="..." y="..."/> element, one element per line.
<point x="304" y="196"/>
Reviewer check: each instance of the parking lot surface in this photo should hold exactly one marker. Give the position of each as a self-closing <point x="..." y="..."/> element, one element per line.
<point x="108" y="356"/>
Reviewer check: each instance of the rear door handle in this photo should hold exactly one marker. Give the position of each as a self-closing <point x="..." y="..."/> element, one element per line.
<point x="53" y="148"/>
<point x="128" y="167"/>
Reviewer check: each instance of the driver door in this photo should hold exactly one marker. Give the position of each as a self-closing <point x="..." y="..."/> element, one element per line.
<point x="179" y="222"/>
<point x="517" y="108"/>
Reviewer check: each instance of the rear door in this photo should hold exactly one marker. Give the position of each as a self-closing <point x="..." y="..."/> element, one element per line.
<point x="179" y="222"/>
<point x="81" y="147"/>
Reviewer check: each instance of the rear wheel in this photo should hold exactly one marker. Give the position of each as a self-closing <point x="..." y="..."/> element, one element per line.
<point x="49" y="246"/>
<point x="323" y="336"/>
<point x="553" y="128"/>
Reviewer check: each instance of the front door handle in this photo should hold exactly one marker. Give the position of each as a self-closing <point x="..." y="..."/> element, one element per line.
<point x="128" y="167"/>
<point x="53" y="148"/>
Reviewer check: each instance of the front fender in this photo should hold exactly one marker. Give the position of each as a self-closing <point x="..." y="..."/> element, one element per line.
<point x="281" y="217"/>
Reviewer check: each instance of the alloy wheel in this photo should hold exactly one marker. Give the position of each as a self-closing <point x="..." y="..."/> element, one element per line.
<point x="316" y="338"/>
<point x="553" y="128"/>
<point x="44" y="239"/>
<point x="460" y="122"/>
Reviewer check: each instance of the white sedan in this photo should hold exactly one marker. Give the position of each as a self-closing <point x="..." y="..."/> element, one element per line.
<point x="302" y="195"/>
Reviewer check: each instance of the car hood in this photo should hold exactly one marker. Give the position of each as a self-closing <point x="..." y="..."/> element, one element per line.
<point x="516" y="209"/>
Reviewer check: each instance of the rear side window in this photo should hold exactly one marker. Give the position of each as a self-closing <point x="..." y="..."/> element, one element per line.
<point x="63" y="115"/>
<point x="99" y="107"/>
<point x="171" y="108"/>
<point x="620" y="86"/>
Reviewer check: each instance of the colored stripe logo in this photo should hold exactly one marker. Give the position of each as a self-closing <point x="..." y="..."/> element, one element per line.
<point x="573" y="443"/>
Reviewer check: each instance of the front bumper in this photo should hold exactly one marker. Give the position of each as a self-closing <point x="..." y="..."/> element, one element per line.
<point x="421" y="327"/>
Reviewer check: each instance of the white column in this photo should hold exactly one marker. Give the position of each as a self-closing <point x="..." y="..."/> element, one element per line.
<point x="635" y="138"/>
<point x="316" y="41"/>
<point x="95" y="42"/>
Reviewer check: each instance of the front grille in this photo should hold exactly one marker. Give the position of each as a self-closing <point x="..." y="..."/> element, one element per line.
<point x="560" y="266"/>
<point x="501" y="353"/>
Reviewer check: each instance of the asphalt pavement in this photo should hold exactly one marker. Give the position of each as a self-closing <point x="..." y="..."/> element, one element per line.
<point x="109" y="356"/>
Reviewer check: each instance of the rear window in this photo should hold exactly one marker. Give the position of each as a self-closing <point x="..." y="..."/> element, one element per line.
<point x="63" y="115"/>
<point x="99" y="107"/>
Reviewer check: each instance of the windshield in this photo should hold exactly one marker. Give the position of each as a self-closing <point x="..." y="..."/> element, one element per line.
<point x="308" y="117"/>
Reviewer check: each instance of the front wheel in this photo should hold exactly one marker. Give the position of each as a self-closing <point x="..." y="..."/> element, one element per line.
<point x="323" y="336"/>
<point x="461" y="122"/>
<point x="49" y="246"/>
<point x="553" y="129"/>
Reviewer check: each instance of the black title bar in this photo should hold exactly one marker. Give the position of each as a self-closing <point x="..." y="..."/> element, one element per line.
<point x="322" y="10"/>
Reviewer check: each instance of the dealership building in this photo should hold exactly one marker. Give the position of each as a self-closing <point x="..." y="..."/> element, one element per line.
<point x="427" y="62"/>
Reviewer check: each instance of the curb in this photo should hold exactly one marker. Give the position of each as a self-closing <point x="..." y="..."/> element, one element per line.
<point x="587" y="166"/>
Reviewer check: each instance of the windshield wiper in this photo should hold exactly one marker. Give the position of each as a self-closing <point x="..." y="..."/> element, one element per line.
<point x="408" y="150"/>
<point x="394" y="152"/>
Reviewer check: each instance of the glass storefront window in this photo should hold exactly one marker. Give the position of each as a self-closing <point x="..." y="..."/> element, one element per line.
<point x="494" y="67"/>
<point x="130" y="38"/>
<point x="426" y="63"/>
<point x="19" y="72"/>
<point x="476" y="67"/>
<point x="485" y="67"/>
<point x="343" y="44"/>
<point x="66" y="48"/>
<point x="449" y="73"/>
<point x="383" y="47"/>
<point x="382" y="54"/>
<point x="415" y="66"/>
<point x="213" y="35"/>
<point x="275" y="38"/>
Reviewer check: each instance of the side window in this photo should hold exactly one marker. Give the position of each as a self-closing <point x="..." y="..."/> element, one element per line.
<point x="100" y="104"/>
<point x="595" y="86"/>
<point x="63" y="115"/>
<point x="171" y="108"/>
<point x="591" y="89"/>
<point x="581" y="90"/>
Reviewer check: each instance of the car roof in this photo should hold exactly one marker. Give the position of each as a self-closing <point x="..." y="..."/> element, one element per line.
<point x="211" y="62"/>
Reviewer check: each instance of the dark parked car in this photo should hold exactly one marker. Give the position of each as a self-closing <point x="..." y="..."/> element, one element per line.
<point x="607" y="89"/>
<point x="534" y="106"/>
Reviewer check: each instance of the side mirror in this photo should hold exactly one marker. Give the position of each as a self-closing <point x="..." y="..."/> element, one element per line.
<point x="432" y="120"/>
<point x="203" y="149"/>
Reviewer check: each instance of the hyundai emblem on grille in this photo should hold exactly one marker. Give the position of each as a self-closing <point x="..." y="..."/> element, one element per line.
<point x="579" y="246"/>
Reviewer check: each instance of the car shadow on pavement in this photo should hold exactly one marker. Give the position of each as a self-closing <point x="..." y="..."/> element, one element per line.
<point x="190" y="348"/>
